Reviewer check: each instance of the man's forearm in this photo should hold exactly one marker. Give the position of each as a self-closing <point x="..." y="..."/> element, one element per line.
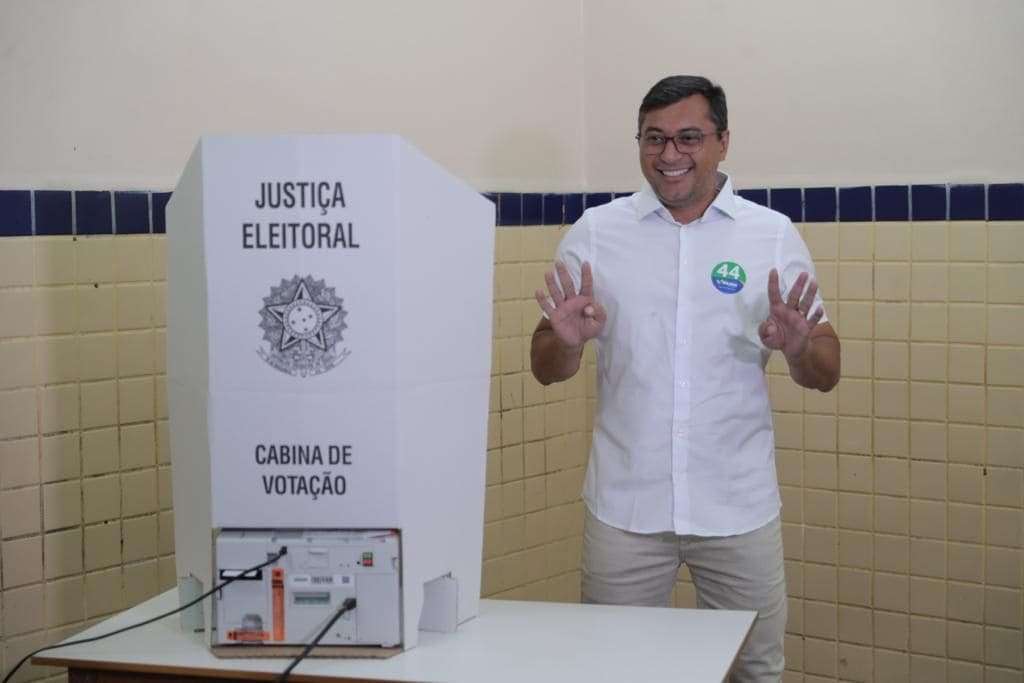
<point x="550" y="359"/>
<point x="818" y="367"/>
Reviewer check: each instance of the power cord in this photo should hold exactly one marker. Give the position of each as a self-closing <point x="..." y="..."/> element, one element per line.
<point x="281" y="553"/>
<point x="347" y="606"/>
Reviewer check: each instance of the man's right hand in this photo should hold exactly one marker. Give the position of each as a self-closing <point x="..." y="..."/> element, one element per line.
<point x="574" y="317"/>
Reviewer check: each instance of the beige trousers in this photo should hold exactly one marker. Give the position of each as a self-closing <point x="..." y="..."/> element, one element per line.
<point x="744" y="572"/>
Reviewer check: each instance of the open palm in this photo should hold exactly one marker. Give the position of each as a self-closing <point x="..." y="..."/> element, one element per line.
<point x="575" y="317"/>
<point x="788" y="325"/>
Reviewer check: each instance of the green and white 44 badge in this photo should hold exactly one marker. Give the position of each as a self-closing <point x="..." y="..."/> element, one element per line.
<point x="728" y="277"/>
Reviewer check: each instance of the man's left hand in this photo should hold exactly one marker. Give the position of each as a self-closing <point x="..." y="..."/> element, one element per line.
<point x="789" y="323"/>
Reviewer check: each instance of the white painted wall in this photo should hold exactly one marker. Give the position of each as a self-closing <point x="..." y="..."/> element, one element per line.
<point x="525" y="95"/>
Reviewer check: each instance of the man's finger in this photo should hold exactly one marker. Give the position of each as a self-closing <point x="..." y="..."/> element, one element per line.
<point x="793" y="300"/>
<point x="553" y="289"/>
<point x="586" y="280"/>
<point x="774" y="295"/>
<point x="807" y="302"/>
<point x="545" y="303"/>
<point x="816" y="317"/>
<point x="568" y="288"/>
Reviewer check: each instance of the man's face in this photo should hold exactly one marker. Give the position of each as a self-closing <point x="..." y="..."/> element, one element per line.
<point x="684" y="182"/>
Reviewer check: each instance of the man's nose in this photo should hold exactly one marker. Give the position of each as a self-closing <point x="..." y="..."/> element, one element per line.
<point x="671" y="152"/>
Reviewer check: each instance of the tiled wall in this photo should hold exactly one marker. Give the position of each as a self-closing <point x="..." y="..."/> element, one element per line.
<point x="902" y="489"/>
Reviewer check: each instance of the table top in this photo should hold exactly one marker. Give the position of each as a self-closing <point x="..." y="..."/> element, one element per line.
<point x="508" y="641"/>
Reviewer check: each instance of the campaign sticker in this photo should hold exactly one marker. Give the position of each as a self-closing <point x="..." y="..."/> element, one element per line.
<point x="728" y="277"/>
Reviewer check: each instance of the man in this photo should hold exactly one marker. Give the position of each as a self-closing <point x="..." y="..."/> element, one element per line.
<point x="686" y="290"/>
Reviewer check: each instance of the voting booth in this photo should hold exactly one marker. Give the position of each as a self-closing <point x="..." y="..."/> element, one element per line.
<point x="329" y="348"/>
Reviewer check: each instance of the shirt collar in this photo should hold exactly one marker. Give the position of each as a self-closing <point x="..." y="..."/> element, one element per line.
<point x="725" y="202"/>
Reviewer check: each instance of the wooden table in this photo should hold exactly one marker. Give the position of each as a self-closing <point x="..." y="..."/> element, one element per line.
<point x="508" y="641"/>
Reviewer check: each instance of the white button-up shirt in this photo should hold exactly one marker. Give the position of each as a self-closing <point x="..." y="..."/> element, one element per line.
<point x="683" y="436"/>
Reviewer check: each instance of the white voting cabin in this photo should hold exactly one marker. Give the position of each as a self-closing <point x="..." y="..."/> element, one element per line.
<point x="329" y="349"/>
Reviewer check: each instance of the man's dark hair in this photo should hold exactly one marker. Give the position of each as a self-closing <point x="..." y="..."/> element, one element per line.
<point x="671" y="89"/>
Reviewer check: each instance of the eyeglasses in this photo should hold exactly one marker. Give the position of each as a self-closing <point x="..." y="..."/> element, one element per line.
<point x="687" y="141"/>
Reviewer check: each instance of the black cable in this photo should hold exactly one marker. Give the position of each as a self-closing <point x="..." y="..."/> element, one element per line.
<point x="281" y="553"/>
<point x="347" y="606"/>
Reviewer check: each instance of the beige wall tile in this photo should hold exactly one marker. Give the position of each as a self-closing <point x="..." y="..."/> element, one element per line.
<point x="95" y="259"/>
<point x="1003" y="607"/>
<point x="55" y="260"/>
<point x="967" y="282"/>
<point x="924" y="669"/>
<point x="1005" y="366"/>
<point x="855" y="587"/>
<point x="928" y="557"/>
<point x="855" y="549"/>
<point x="165" y="522"/>
<point x="891" y="591"/>
<point x="1005" y="323"/>
<point x="1003" y="486"/>
<point x="965" y="523"/>
<point x="819" y="619"/>
<point x="927" y="597"/>
<point x="855" y="512"/>
<point x="22" y="561"/>
<point x="965" y="642"/>
<point x="820" y="470"/>
<point x="929" y="282"/>
<point x="967" y="443"/>
<point x="929" y="241"/>
<point x="102" y="545"/>
<point x="820" y="507"/>
<point x="104" y="592"/>
<point x="928" y="440"/>
<point x="966" y="562"/>
<point x="133" y="257"/>
<point x="1002" y="566"/>
<point x="62" y="552"/>
<point x="20" y="512"/>
<point x="99" y="404"/>
<point x="135" y="353"/>
<point x="855" y="625"/>
<point x="141" y="537"/>
<point x="1003" y="647"/>
<point x="135" y="306"/>
<point x="856" y="358"/>
<point x="855" y="282"/>
<point x="968" y="241"/>
<point x="17" y="262"/>
<point x="17" y="364"/>
<point x="966" y="484"/>
<point x="855" y="320"/>
<point x="928" y="480"/>
<point x="99" y="451"/>
<point x="967" y="323"/>
<point x="892" y="476"/>
<point x="22" y="612"/>
<point x="855" y="473"/>
<point x="891" y="399"/>
<point x="891" y="630"/>
<point x="966" y="602"/>
<point x="1005" y="406"/>
<point x="854" y="435"/>
<point x="820" y="545"/>
<point x="892" y="360"/>
<point x="19" y="463"/>
<point x="928" y="519"/>
<point x="17" y="413"/>
<point x="18" y="311"/>
<point x="1003" y="527"/>
<point x="927" y="636"/>
<point x="135" y="399"/>
<point x="892" y="321"/>
<point x="819" y="582"/>
<point x="856" y="241"/>
<point x="97" y="356"/>
<point x="967" y="364"/>
<point x="892" y="515"/>
<point x="964" y="671"/>
<point x="967" y="403"/>
<point x="102" y="498"/>
<point x="56" y="310"/>
<point x="928" y="362"/>
<point x="1005" y="242"/>
<point x="892" y="241"/>
<point x="855" y="397"/>
<point x="62" y="504"/>
<point x="58" y="408"/>
<point x="138" y="446"/>
<point x="1004" y="284"/>
<point x="160" y="350"/>
<point x="928" y="322"/>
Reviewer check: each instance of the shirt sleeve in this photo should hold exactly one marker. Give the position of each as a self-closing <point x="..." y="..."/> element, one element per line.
<point x="794" y="258"/>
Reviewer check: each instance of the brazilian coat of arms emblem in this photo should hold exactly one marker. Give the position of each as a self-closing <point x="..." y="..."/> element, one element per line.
<point x="303" y="320"/>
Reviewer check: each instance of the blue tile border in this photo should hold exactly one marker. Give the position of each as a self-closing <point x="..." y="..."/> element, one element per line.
<point x="93" y="213"/>
<point x="104" y="212"/>
<point x="15" y="213"/>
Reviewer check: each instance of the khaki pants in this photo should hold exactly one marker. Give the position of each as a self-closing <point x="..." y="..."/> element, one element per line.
<point x="743" y="572"/>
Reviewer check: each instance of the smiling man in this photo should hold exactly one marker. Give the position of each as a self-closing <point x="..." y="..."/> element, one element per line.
<point x="686" y="289"/>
